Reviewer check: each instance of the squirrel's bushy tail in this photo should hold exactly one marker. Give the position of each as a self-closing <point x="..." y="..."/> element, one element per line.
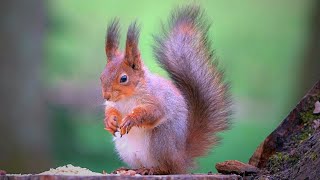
<point x="184" y="51"/>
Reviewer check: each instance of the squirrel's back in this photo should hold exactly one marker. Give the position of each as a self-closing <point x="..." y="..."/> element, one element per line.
<point x="184" y="51"/>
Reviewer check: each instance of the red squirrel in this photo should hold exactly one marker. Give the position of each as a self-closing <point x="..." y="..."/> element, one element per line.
<point x="160" y="125"/>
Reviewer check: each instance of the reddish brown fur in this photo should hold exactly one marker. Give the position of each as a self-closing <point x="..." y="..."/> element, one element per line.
<point x="119" y="91"/>
<point x="180" y="119"/>
<point x="112" y="119"/>
<point x="146" y="116"/>
<point x="131" y="65"/>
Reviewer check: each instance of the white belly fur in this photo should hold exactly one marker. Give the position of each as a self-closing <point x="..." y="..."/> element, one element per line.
<point x="133" y="147"/>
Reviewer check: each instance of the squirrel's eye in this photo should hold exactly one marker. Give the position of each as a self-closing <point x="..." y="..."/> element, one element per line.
<point x="123" y="79"/>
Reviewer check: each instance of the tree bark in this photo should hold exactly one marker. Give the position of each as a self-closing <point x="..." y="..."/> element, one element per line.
<point x="292" y="150"/>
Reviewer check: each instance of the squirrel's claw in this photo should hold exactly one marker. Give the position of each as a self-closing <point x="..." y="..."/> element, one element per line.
<point x="145" y="171"/>
<point x="126" y="125"/>
<point x="113" y="132"/>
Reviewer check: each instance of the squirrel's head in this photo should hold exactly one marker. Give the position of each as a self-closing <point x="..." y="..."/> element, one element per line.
<point x="124" y="71"/>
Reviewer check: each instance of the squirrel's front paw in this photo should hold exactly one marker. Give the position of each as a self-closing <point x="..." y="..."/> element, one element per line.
<point x="127" y="123"/>
<point x="111" y="124"/>
<point x="111" y="121"/>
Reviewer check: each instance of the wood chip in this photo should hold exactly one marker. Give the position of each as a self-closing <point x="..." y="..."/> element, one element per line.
<point x="236" y="167"/>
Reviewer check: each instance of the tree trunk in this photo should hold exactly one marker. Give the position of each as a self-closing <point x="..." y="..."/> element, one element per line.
<point x="24" y="127"/>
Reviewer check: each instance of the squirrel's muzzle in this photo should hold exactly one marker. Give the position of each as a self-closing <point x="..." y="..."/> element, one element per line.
<point x="106" y="95"/>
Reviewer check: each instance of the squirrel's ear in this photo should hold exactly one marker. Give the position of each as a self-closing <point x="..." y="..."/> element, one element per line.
<point x="132" y="54"/>
<point x="112" y="39"/>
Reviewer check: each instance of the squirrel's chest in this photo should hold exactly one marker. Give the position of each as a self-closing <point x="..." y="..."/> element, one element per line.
<point x="134" y="148"/>
<point x="126" y="106"/>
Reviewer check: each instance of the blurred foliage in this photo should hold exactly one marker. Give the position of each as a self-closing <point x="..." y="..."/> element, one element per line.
<point x="259" y="44"/>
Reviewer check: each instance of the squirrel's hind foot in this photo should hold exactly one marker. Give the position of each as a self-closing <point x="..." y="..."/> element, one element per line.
<point x="141" y="171"/>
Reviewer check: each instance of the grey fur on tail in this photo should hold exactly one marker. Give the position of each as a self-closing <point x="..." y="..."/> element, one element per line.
<point x="184" y="51"/>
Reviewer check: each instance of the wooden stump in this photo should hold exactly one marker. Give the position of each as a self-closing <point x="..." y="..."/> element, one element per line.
<point x="292" y="150"/>
<point x="118" y="177"/>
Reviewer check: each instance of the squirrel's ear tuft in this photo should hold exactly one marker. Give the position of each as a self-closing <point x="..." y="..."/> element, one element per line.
<point x="112" y="39"/>
<point x="132" y="54"/>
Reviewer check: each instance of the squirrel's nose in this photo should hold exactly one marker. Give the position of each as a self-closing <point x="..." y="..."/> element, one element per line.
<point x="106" y="95"/>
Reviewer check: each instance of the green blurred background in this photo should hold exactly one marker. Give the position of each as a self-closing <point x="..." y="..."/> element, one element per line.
<point x="53" y="54"/>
